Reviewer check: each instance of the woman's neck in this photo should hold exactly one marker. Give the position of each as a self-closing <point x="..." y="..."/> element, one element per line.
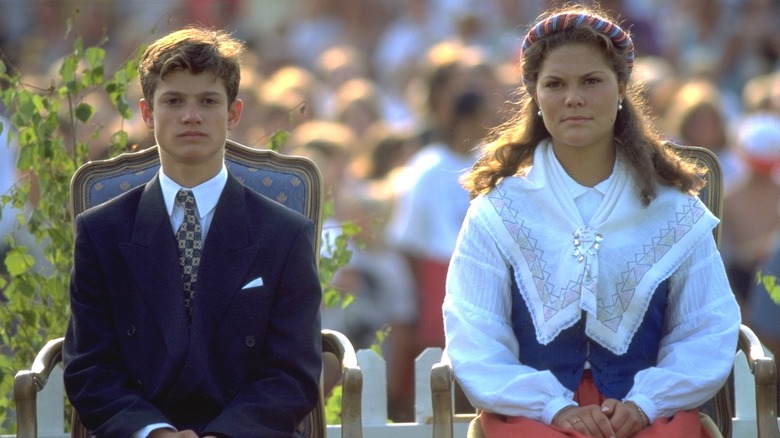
<point x="587" y="165"/>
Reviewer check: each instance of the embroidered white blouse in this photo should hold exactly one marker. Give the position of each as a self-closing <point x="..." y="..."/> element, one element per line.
<point x="702" y="320"/>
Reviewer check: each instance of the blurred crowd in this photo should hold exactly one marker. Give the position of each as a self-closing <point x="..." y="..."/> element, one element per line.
<point x="389" y="97"/>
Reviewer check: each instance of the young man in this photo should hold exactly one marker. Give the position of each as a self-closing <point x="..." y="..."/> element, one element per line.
<point x="212" y="331"/>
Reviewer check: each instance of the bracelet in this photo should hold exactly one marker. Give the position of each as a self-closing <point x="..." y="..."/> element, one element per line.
<point x="642" y="414"/>
<point x="561" y="411"/>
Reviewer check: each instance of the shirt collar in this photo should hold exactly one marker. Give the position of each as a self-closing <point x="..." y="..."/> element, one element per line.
<point x="576" y="189"/>
<point x="206" y="194"/>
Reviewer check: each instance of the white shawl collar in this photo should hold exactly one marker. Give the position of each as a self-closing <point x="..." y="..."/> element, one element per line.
<point x="608" y="268"/>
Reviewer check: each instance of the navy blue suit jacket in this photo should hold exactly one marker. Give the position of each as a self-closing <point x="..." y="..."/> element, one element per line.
<point x="249" y="363"/>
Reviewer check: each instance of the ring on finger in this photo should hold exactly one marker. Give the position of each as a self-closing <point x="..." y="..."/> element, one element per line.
<point x="576" y="420"/>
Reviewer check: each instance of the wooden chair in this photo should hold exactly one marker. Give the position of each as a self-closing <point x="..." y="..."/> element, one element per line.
<point x="291" y="181"/>
<point x="719" y="408"/>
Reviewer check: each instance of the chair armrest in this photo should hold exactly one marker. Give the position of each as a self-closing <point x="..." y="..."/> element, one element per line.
<point x="27" y="384"/>
<point x="351" y="382"/>
<point x="442" y="381"/>
<point x="765" y="375"/>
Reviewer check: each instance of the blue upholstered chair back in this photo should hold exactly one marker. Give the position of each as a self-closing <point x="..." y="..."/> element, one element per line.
<point x="292" y="181"/>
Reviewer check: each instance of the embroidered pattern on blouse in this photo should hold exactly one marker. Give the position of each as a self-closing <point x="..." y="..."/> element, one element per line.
<point x="551" y="300"/>
<point x="611" y="313"/>
<point x="610" y="310"/>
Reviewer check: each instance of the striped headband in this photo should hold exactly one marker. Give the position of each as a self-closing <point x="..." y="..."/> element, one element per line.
<point x="569" y="20"/>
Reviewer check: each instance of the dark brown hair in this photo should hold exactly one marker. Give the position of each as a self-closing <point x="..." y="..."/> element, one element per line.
<point x="510" y="147"/>
<point x="197" y="50"/>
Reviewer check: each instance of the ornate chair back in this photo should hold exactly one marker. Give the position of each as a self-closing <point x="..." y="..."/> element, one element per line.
<point x="292" y="181"/>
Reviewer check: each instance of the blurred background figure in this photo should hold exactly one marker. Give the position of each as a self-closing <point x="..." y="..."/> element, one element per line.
<point x="428" y="213"/>
<point x="660" y="83"/>
<point x="699" y="114"/>
<point x="385" y="309"/>
<point x="761" y="311"/>
<point x="750" y="217"/>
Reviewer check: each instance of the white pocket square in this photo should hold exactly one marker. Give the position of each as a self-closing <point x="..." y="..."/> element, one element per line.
<point x="257" y="282"/>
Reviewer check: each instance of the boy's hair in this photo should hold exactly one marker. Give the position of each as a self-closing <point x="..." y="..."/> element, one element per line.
<point x="194" y="49"/>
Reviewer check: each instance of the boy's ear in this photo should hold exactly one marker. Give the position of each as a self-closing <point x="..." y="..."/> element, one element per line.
<point x="147" y="113"/>
<point x="234" y="113"/>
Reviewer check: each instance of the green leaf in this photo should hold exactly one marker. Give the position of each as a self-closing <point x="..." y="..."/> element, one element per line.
<point x="278" y="140"/>
<point x="119" y="141"/>
<point x="68" y="69"/>
<point x="770" y="286"/>
<point x="78" y="48"/>
<point x="333" y="406"/>
<point x="350" y="229"/>
<point x="95" y="56"/>
<point x="84" y="112"/>
<point x="328" y="209"/>
<point x="330" y="297"/>
<point x="68" y="26"/>
<point x="25" y="107"/>
<point x="18" y="261"/>
<point x="30" y="317"/>
<point x="94" y="76"/>
<point x="346" y="300"/>
<point x="26" y="158"/>
<point x="775" y="295"/>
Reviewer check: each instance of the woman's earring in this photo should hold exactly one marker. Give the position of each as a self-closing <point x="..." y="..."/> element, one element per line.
<point x="539" y="113"/>
<point x="620" y="106"/>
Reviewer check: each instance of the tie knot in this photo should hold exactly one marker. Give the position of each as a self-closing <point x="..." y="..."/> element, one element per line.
<point x="186" y="199"/>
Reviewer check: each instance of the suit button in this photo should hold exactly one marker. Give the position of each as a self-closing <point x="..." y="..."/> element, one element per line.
<point x="249" y="341"/>
<point x="131" y="330"/>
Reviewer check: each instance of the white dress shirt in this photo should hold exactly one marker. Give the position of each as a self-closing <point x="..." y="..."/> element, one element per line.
<point x="206" y="197"/>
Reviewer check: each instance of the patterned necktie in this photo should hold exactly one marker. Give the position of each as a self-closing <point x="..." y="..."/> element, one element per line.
<point x="190" y="245"/>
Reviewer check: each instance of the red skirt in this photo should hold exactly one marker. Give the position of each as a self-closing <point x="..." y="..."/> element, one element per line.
<point x="684" y="424"/>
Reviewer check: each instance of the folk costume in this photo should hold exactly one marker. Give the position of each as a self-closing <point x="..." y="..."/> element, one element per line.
<point x="555" y="286"/>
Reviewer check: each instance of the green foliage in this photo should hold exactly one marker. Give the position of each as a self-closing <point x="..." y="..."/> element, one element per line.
<point x="333" y="406"/>
<point x="380" y="336"/>
<point x="335" y="244"/>
<point x="337" y="254"/>
<point x="770" y="285"/>
<point x="278" y="139"/>
<point x="46" y="123"/>
<point x="53" y="129"/>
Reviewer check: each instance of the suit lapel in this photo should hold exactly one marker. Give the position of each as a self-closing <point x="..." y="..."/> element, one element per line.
<point x="152" y="258"/>
<point x="228" y="247"/>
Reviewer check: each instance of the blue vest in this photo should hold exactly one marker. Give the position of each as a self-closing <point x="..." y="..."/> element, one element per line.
<point x="565" y="356"/>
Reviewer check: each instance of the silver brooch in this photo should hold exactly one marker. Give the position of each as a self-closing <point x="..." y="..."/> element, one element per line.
<point x="586" y="242"/>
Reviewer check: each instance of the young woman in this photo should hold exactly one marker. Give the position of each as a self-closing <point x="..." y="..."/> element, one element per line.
<point x="586" y="295"/>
